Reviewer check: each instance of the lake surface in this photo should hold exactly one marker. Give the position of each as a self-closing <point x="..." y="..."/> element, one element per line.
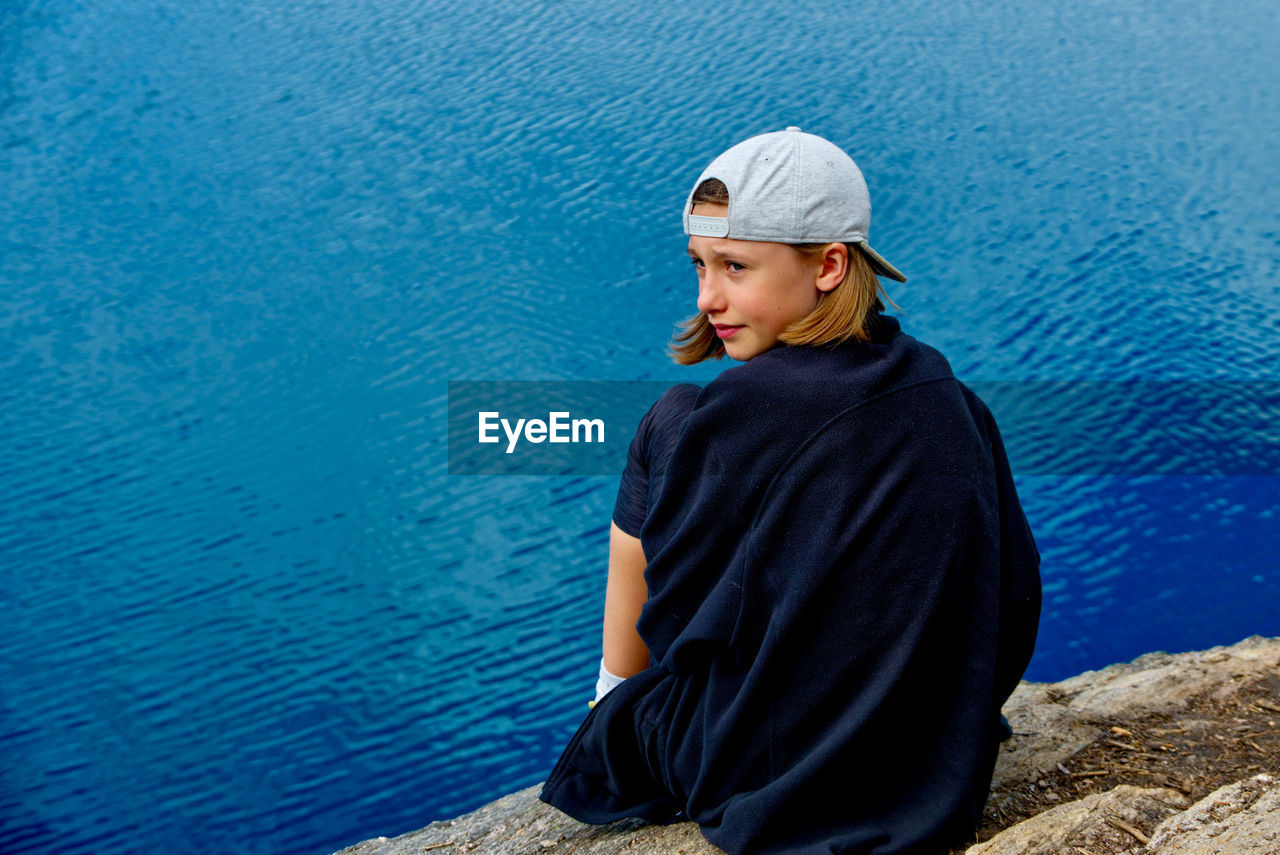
<point x="244" y="607"/>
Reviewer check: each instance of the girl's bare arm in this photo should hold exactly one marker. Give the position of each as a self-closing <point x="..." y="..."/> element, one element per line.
<point x="625" y="592"/>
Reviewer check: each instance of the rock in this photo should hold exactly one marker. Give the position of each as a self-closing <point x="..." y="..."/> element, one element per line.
<point x="1054" y="721"/>
<point x="520" y="824"/>
<point x="1096" y="822"/>
<point x="1200" y="696"/>
<point x="1238" y="819"/>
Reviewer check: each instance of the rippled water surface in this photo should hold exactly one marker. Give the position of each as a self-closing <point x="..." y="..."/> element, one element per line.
<point x="243" y="248"/>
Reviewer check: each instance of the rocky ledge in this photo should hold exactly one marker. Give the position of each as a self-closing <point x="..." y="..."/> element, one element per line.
<point x="1166" y="755"/>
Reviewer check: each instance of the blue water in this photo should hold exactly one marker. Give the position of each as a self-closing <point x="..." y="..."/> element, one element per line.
<point x="243" y="248"/>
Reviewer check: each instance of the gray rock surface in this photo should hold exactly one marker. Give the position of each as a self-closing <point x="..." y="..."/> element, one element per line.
<point x="1238" y="819"/>
<point x="1094" y="823"/>
<point x="1052" y="722"/>
<point x="519" y="824"/>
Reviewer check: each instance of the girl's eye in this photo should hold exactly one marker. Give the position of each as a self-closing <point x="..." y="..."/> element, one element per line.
<point x="696" y="262"/>
<point x="734" y="266"/>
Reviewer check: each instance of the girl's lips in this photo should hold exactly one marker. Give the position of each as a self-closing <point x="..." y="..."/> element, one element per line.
<point x="725" y="331"/>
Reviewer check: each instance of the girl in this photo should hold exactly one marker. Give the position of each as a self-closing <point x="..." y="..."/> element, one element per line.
<point x="822" y="587"/>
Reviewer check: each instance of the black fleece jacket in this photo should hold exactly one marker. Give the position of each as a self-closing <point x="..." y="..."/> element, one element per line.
<point x="843" y="591"/>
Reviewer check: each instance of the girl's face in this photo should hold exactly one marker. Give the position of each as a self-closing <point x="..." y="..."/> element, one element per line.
<point x="752" y="290"/>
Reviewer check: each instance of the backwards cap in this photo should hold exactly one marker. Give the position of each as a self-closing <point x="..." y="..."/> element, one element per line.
<point x="790" y="187"/>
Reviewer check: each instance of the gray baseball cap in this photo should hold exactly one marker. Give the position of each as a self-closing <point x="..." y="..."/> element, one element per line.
<point x="790" y="187"/>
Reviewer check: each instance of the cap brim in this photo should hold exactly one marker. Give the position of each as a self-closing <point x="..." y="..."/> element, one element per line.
<point x="881" y="267"/>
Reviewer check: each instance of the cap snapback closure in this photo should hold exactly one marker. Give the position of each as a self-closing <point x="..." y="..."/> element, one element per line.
<point x="708" y="226"/>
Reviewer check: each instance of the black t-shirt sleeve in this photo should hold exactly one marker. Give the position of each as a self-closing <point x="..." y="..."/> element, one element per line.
<point x="648" y="455"/>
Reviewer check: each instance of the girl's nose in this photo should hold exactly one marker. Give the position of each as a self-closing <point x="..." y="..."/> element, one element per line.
<point x="710" y="297"/>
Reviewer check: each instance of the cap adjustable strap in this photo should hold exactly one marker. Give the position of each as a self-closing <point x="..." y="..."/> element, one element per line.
<point x="708" y="226"/>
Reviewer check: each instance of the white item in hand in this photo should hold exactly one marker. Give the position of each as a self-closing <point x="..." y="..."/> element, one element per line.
<point x="607" y="682"/>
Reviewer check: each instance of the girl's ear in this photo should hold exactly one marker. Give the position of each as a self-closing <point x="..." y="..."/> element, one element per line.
<point x="835" y="264"/>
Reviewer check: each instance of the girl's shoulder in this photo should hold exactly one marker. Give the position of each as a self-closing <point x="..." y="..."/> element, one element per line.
<point x="661" y="426"/>
<point x="675" y="399"/>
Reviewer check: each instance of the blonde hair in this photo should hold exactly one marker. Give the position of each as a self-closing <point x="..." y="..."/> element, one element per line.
<point x="841" y="313"/>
